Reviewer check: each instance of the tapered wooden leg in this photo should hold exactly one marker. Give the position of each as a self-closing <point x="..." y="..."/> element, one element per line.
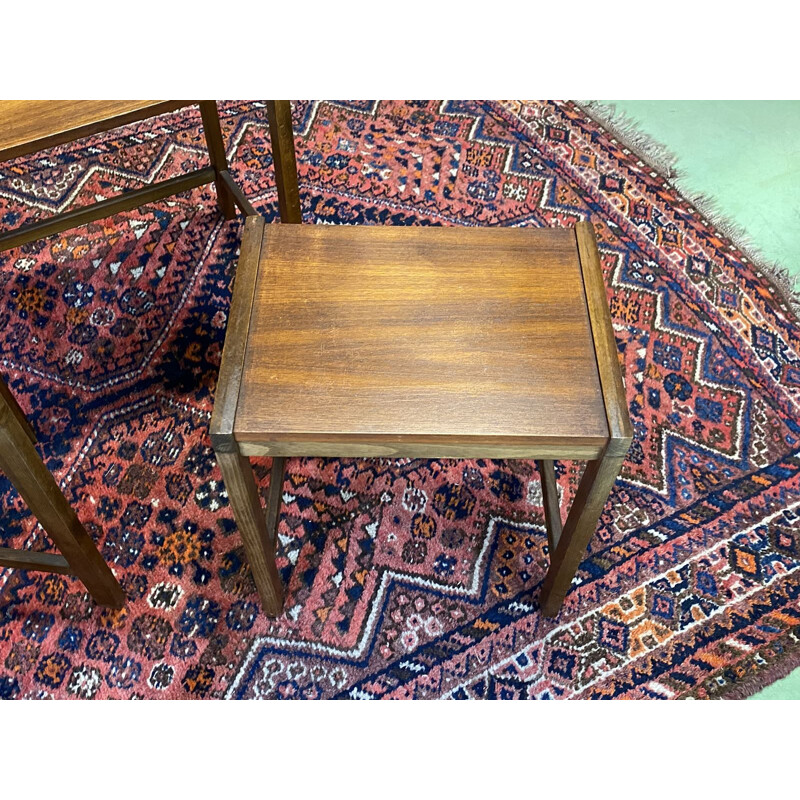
<point x="279" y="114"/>
<point x="593" y="491"/>
<point x="552" y="510"/>
<point x="11" y="403"/>
<point x="216" y="152"/>
<point x="243" y="494"/>
<point x="26" y="471"/>
<point x="273" y="514"/>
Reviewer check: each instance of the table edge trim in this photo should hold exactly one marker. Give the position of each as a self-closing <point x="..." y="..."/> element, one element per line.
<point x="229" y="379"/>
<point x="613" y="389"/>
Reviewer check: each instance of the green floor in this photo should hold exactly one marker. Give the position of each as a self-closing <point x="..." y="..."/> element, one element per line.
<point x="746" y="156"/>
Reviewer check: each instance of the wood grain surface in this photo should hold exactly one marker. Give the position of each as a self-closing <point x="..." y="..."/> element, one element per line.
<point x="105" y="208"/>
<point x="615" y="401"/>
<point x="22" y="465"/>
<point x="550" y="501"/>
<point x="30" y="559"/>
<point x="587" y="505"/>
<point x="469" y="337"/>
<point x="246" y="504"/>
<point x="284" y="160"/>
<point x="229" y="379"/>
<point x="30" y="125"/>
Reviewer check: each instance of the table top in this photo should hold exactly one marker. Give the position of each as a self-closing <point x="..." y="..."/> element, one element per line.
<point x="30" y="125"/>
<point x="420" y="341"/>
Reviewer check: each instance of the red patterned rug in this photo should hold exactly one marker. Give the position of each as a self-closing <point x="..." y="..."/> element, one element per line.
<point x="404" y="578"/>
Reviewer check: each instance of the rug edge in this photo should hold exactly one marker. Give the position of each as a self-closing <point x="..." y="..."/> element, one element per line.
<point x="776" y="672"/>
<point x="659" y="157"/>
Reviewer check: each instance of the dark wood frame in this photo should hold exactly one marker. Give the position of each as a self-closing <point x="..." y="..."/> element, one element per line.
<point x="568" y="545"/>
<point x="19" y="459"/>
<point x="236" y="471"/>
<point x="567" y="540"/>
<point x="26" y="471"/>
<point x="229" y="195"/>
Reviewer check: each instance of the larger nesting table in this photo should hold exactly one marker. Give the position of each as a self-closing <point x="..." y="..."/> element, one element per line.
<point x="420" y="342"/>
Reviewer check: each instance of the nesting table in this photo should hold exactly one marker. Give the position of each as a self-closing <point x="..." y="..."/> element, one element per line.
<point x="28" y="126"/>
<point x="420" y="342"/>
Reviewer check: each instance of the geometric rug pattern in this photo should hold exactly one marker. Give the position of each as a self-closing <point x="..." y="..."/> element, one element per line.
<point x="404" y="578"/>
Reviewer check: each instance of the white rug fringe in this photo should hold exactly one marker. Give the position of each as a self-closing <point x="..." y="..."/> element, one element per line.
<point x="660" y="158"/>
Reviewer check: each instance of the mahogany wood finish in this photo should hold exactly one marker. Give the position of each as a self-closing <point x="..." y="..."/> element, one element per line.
<point x="279" y="114"/>
<point x="22" y="465"/>
<point x="619" y="421"/>
<point x="599" y="476"/>
<point x="393" y="336"/>
<point x="26" y="559"/>
<point x="230" y="371"/>
<point x="27" y="126"/>
<point x="243" y="495"/>
<point x="238" y="196"/>
<point x="236" y="472"/>
<point x="8" y="401"/>
<point x="216" y="153"/>
<point x="273" y="516"/>
<point x="552" y="509"/>
<point x="421" y="342"/>
<point x="30" y="126"/>
<point x="587" y="505"/>
<point x="104" y="208"/>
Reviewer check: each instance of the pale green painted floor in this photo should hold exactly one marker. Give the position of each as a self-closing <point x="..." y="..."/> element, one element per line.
<point x="746" y="156"/>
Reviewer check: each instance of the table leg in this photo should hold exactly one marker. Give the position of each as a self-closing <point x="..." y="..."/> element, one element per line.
<point x="593" y="491"/>
<point x="20" y="461"/>
<point x="281" y="134"/>
<point x="216" y="152"/>
<point x="552" y="511"/>
<point x="8" y="400"/>
<point x="260" y="548"/>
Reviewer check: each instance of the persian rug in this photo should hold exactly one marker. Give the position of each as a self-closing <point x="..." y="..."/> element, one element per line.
<point x="405" y="578"/>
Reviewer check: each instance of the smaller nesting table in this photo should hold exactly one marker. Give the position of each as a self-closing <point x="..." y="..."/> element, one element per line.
<point x="420" y="342"/>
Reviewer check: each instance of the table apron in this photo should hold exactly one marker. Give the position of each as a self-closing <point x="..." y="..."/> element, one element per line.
<point x="309" y="449"/>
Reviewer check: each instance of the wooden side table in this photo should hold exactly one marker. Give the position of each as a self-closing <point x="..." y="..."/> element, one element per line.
<point x="28" y="126"/>
<point x="420" y="342"/>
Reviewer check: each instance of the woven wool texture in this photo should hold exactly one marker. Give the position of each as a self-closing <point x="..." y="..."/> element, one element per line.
<point x="405" y="578"/>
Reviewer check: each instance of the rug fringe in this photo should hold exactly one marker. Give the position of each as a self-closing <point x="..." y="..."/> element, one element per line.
<point x="629" y="133"/>
<point x="751" y="686"/>
<point x="660" y="158"/>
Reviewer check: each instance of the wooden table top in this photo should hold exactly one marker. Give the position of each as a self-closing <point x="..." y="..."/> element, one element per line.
<point x="420" y="341"/>
<point x="30" y="125"/>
